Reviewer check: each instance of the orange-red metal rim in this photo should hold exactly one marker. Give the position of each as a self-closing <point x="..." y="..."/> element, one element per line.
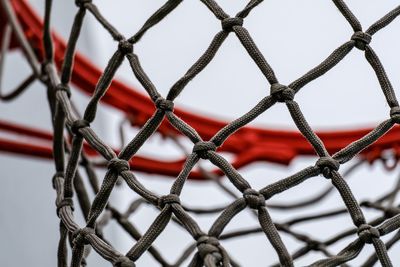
<point x="249" y="144"/>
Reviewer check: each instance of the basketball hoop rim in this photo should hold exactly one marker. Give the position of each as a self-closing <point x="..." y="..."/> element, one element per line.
<point x="249" y="144"/>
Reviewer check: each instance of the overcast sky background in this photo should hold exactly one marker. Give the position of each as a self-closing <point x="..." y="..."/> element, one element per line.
<point x="293" y="35"/>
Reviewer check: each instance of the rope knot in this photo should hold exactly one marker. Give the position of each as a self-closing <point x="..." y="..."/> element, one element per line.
<point x="361" y="39"/>
<point x="118" y="165"/>
<point x="168" y="200"/>
<point x="125" y="47"/>
<point x="366" y="232"/>
<point x="229" y="23"/>
<point x="63" y="87"/>
<point x="313" y="244"/>
<point x="209" y="245"/>
<point x="395" y="114"/>
<point x="281" y="92"/>
<point x="124" y="261"/>
<point x="82" y="3"/>
<point x="253" y="198"/>
<point x="79" y="236"/>
<point x="63" y="203"/>
<point x="201" y="148"/>
<point x="79" y="124"/>
<point x="164" y="104"/>
<point x="327" y="165"/>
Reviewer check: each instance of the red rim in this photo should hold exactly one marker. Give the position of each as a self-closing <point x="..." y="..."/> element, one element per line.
<point x="249" y="144"/>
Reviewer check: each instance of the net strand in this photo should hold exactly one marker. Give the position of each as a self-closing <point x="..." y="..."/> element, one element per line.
<point x="208" y="250"/>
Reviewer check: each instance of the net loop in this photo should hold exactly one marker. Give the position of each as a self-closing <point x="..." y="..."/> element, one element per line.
<point x="229" y="23"/>
<point x="79" y="124"/>
<point x="79" y="236"/>
<point x="65" y="88"/>
<point x="253" y="198"/>
<point x="367" y="232"/>
<point x="124" y="261"/>
<point x="209" y="245"/>
<point x="125" y="47"/>
<point x="281" y="92"/>
<point x="202" y="148"/>
<point x="63" y="203"/>
<point x="82" y="3"/>
<point x="361" y="39"/>
<point x="395" y="114"/>
<point x="209" y="250"/>
<point x="118" y="165"/>
<point x="164" y="104"/>
<point x="327" y="165"/>
<point x="168" y="200"/>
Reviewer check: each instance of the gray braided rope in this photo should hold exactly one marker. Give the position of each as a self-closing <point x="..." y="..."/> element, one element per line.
<point x="208" y="250"/>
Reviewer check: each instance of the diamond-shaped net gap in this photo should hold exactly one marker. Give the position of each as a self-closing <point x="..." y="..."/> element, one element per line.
<point x="207" y="249"/>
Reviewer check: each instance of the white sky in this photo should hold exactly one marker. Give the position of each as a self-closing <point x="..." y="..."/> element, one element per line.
<point x="293" y="35"/>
